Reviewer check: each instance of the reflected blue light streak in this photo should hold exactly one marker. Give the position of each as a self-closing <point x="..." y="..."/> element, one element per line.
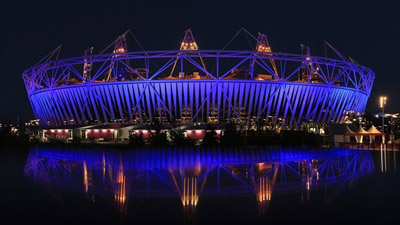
<point x="190" y="174"/>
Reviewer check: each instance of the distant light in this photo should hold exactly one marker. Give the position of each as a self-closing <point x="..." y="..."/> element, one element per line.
<point x="382" y="101"/>
<point x="96" y="130"/>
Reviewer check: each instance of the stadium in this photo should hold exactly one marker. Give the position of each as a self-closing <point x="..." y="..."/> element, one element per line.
<point x="191" y="85"/>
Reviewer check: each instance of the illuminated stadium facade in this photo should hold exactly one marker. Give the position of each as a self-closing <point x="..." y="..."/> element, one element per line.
<point x="191" y="85"/>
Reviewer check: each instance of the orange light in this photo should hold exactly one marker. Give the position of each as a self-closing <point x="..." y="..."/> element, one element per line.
<point x="85" y="177"/>
<point x="382" y="101"/>
<point x="189" y="196"/>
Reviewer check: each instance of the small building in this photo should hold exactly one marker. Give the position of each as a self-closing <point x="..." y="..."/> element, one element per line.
<point x="52" y="133"/>
<point x="197" y="132"/>
<point x="141" y="129"/>
<point x="107" y="132"/>
<point x="146" y="130"/>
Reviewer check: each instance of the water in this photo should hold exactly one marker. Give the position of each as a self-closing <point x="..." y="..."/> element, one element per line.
<point x="81" y="185"/>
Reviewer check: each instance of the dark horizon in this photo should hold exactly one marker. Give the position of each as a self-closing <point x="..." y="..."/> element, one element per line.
<point x="366" y="31"/>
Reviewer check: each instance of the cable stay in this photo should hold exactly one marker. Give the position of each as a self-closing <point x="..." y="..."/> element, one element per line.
<point x="247" y="35"/>
<point x="49" y="59"/>
<point x="354" y="61"/>
<point x="46" y="61"/>
<point x="143" y="71"/>
<point x="337" y="52"/>
<point x="137" y="42"/>
<point x="50" y="56"/>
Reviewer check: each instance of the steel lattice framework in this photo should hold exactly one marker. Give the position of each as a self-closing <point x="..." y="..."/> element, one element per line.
<point x="132" y="87"/>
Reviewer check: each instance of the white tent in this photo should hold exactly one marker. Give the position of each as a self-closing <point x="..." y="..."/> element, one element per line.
<point x="360" y="133"/>
<point x="347" y="133"/>
<point x="372" y="131"/>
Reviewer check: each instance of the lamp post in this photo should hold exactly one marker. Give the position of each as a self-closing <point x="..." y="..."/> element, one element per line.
<point x="382" y="103"/>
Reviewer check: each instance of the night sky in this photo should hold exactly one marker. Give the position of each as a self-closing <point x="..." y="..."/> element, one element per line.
<point x="368" y="31"/>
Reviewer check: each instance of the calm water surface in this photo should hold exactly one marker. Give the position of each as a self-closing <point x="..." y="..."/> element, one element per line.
<point x="81" y="185"/>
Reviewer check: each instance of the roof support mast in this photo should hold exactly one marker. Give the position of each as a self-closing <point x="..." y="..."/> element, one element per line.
<point x="119" y="51"/>
<point x="263" y="46"/>
<point x="306" y="70"/>
<point x="87" y="65"/>
<point x="188" y="44"/>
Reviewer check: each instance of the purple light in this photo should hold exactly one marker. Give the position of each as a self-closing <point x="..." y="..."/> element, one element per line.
<point x="303" y="88"/>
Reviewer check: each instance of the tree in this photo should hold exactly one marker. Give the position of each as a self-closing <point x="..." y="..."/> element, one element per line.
<point x="178" y="138"/>
<point x="136" y="140"/>
<point x="158" y="138"/>
<point x="210" y="139"/>
<point x="231" y="137"/>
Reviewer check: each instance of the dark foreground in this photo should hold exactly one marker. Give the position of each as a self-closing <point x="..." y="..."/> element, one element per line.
<point x="82" y="185"/>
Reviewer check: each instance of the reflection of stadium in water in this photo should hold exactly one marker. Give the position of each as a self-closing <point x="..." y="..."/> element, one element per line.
<point x="190" y="174"/>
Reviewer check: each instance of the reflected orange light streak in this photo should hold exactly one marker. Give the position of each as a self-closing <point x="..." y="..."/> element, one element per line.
<point x="264" y="193"/>
<point x="120" y="189"/>
<point x="85" y="177"/>
<point x="189" y="195"/>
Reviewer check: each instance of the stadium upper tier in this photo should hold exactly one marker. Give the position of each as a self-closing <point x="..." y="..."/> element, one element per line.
<point x="192" y="85"/>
